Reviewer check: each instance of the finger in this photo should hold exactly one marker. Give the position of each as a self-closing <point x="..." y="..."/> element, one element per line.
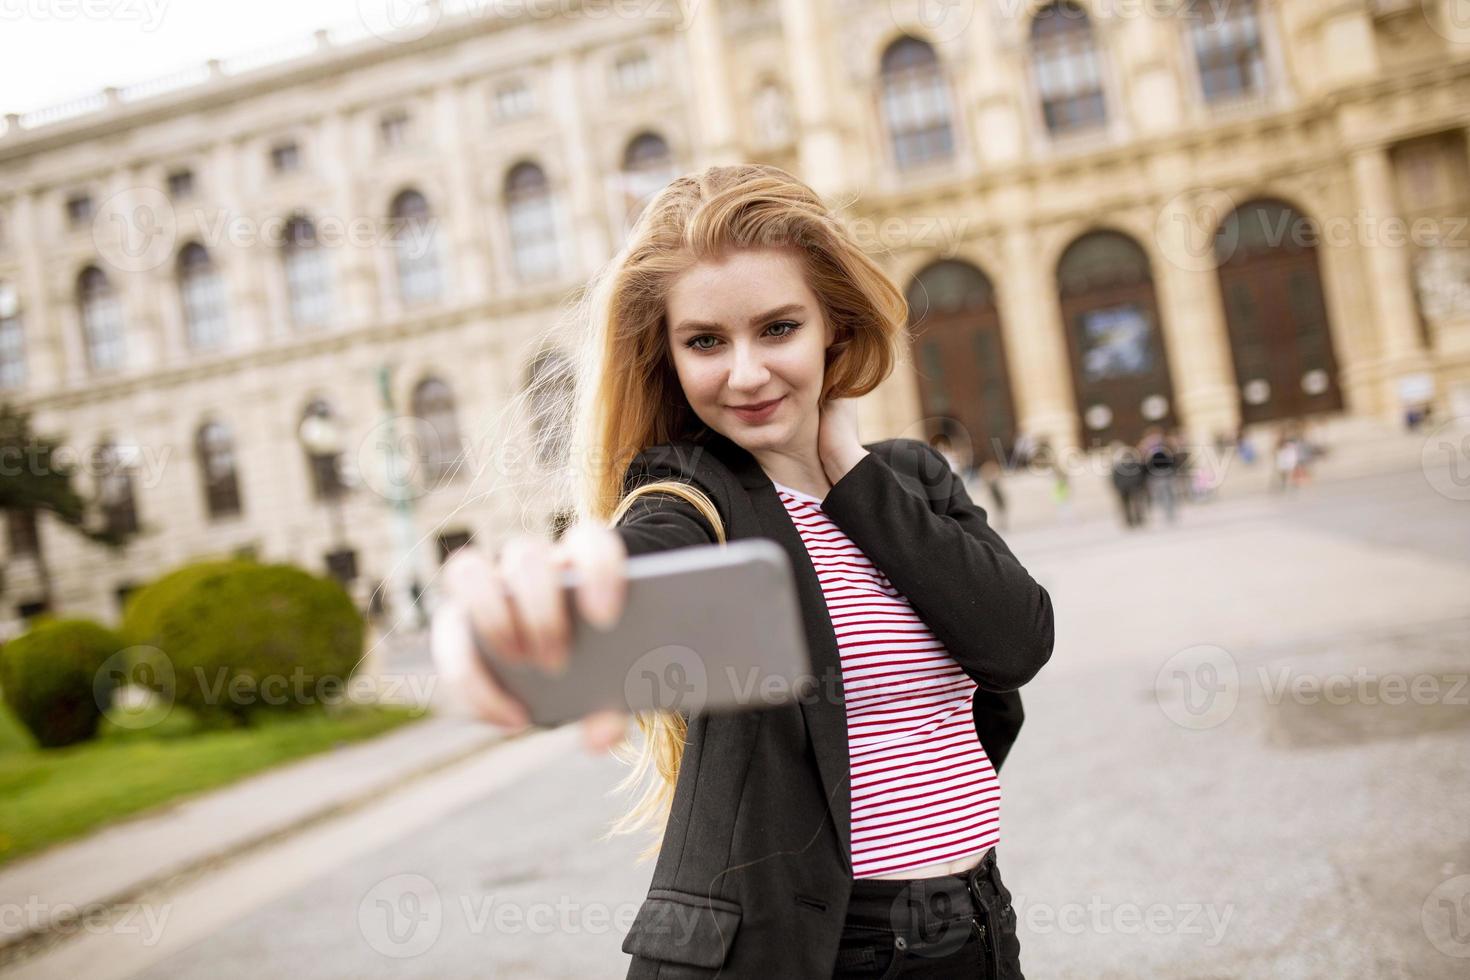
<point x="536" y="596"/>
<point x="600" y="559"/>
<point x="470" y="683"/>
<point x="602" y="730"/>
<point x="475" y="584"/>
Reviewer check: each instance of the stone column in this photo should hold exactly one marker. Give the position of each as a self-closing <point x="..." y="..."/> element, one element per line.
<point x="470" y="270"/>
<point x="42" y="316"/>
<point x="1388" y="264"/>
<point x="1036" y="352"/>
<point x="808" y="30"/>
<point x="716" y="134"/>
<point x="585" y="178"/>
<point x="1194" y="329"/>
<point x="355" y="296"/>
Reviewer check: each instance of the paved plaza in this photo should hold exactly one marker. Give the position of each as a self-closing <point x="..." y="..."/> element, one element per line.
<point x="1247" y="758"/>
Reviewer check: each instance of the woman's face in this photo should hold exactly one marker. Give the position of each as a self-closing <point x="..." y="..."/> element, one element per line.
<point x="749" y="344"/>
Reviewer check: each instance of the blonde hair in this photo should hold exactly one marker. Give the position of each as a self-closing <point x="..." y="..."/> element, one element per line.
<point x="628" y="396"/>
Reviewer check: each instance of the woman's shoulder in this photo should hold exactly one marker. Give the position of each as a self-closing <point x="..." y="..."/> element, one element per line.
<point x="686" y="459"/>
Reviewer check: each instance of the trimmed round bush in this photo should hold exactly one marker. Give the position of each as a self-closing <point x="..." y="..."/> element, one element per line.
<point x="53" y="680"/>
<point x="242" y="636"/>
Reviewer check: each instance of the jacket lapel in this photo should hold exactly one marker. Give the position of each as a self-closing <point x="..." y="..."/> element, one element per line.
<point x="825" y="711"/>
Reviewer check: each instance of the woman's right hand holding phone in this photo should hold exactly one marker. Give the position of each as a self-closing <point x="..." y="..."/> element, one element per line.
<point x="515" y="605"/>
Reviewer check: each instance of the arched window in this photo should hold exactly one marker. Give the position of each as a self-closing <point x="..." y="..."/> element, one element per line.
<point x="916" y="105"/>
<point x="102" y="320"/>
<point x="308" y="280"/>
<point x="1227" y="48"/>
<point x="532" y="219"/>
<point x="416" y="249"/>
<point x="960" y="359"/>
<point x="1067" y="69"/>
<point x="322" y="438"/>
<point x="202" y="295"/>
<point x="12" y="339"/>
<point x="115" y="490"/>
<point x="1120" y="366"/>
<point x="215" y="448"/>
<point x="438" y="428"/>
<point x="648" y="165"/>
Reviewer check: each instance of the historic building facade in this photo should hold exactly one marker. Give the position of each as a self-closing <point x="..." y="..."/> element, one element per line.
<point x="231" y="290"/>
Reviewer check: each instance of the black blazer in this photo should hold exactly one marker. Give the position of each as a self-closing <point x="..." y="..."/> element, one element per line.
<point x="755" y="869"/>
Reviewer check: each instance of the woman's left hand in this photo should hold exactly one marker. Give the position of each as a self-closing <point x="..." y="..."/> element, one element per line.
<point x="838" y="444"/>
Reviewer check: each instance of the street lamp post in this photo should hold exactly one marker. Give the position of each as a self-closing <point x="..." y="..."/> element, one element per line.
<point x="398" y="490"/>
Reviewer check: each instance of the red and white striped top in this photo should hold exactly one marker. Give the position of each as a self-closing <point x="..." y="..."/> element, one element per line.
<point x="923" y="789"/>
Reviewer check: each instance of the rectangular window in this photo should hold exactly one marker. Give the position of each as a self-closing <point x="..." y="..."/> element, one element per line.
<point x="181" y="184"/>
<point x="393" y="130"/>
<point x="22" y="535"/>
<point x="514" y="100"/>
<point x="79" y="210"/>
<point x="285" y="158"/>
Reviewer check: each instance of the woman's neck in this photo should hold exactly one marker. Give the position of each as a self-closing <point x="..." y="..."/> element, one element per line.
<point x="798" y="470"/>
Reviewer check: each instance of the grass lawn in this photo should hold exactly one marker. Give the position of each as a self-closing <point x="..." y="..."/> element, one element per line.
<point x="52" y="794"/>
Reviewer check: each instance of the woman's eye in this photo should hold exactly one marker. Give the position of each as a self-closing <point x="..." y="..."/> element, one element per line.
<point x="786" y="323"/>
<point x="694" y="342"/>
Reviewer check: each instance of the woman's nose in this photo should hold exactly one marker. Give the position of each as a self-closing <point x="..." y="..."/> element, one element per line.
<point x="747" y="372"/>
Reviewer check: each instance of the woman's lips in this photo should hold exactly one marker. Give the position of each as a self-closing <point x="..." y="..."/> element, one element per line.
<point x="758" y="414"/>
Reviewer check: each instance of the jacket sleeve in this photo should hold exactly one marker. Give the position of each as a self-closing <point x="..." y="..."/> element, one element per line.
<point x="947" y="561"/>
<point x="662" y="521"/>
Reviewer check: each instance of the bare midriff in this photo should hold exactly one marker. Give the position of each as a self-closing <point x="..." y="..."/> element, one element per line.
<point x="941" y="868"/>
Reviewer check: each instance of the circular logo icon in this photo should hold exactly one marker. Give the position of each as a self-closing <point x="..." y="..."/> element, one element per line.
<point x="941" y="20"/>
<point x="392" y="461"/>
<point x="399" y="21"/>
<point x="1450" y="19"/>
<point x="668" y="678"/>
<point x="1445" y="459"/>
<point x="135" y="687"/>
<point x="135" y="229"/>
<point x="1192" y="231"/>
<point x="931" y="917"/>
<point x="401" y="916"/>
<point x="1445" y="917"/>
<point x="1198" y="687"/>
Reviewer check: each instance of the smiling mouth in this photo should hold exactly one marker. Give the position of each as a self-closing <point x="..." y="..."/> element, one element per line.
<point x="756" y="407"/>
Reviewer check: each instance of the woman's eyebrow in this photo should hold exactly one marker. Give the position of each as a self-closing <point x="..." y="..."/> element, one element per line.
<point x="755" y="321"/>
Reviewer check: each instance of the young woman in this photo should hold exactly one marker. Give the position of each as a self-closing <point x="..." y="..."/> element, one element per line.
<point x="852" y="833"/>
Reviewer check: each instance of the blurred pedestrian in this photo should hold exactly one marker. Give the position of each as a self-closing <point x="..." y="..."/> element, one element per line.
<point x="1159" y="462"/>
<point x="1129" y="481"/>
<point x="990" y="475"/>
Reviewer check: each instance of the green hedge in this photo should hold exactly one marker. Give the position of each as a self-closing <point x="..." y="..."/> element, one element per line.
<point x="242" y="636"/>
<point x="53" y="681"/>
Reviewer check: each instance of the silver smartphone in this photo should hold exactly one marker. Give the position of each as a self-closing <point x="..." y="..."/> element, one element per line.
<point x="704" y="628"/>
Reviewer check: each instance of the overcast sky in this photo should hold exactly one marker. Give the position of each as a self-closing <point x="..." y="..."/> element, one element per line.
<point x="55" y="50"/>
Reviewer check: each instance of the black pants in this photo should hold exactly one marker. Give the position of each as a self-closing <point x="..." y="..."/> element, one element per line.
<point x="950" y="926"/>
